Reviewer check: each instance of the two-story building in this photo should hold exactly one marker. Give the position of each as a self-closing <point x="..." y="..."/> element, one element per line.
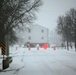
<point x="36" y="34"/>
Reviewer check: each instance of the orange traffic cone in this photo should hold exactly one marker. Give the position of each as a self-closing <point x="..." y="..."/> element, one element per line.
<point x="28" y="47"/>
<point x="38" y="48"/>
<point x="54" y="47"/>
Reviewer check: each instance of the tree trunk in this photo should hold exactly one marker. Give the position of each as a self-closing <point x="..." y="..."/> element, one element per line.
<point x="75" y="39"/>
<point x="70" y="44"/>
<point x="67" y="44"/>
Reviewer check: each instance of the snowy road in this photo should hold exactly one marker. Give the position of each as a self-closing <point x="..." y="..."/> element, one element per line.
<point x="43" y="62"/>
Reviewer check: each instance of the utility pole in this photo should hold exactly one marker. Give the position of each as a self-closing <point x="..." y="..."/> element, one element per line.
<point x="7" y="45"/>
<point x="5" y="51"/>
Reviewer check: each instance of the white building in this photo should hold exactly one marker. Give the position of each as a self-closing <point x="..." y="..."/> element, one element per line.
<point x="36" y="35"/>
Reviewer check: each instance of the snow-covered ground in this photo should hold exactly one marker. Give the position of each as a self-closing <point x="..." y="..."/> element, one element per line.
<point x="41" y="62"/>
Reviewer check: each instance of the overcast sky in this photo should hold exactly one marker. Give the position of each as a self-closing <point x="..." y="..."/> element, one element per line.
<point x="51" y="9"/>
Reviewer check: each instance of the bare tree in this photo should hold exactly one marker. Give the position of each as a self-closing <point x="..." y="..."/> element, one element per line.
<point x="62" y="29"/>
<point x="67" y="26"/>
<point x="60" y="26"/>
<point x="68" y="29"/>
<point x="17" y="14"/>
<point x="72" y="14"/>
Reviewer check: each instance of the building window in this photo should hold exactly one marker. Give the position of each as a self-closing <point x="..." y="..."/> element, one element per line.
<point x="42" y="31"/>
<point x="29" y="30"/>
<point x="42" y="37"/>
<point x="29" y="38"/>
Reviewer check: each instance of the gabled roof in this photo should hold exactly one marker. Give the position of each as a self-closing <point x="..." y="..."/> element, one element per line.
<point x="36" y="25"/>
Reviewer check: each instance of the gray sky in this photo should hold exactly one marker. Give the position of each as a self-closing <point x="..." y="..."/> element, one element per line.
<point x="51" y="9"/>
